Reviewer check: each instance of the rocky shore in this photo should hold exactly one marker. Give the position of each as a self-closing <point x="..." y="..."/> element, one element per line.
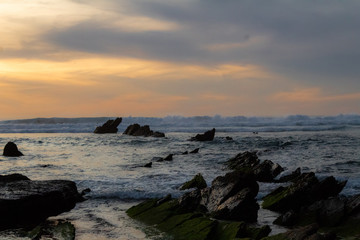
<point x="311" y="208"/>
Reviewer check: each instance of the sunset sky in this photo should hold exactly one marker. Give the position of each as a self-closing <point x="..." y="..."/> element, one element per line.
<point x="89" y="58"/>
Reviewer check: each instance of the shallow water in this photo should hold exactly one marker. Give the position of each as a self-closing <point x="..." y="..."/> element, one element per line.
<point x="111" y="166"/>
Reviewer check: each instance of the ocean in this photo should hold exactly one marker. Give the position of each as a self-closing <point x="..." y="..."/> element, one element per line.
<point x="111" y="165"/>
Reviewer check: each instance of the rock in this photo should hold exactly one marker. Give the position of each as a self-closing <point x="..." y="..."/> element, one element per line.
<point x="184" y="153"/>
<point x="109" y="127"/>
<point x="243" y="160"/>
<point x="228" y="138"/>
<point x="197" y="182"/>
<point x="207" y="136"/>
<point x="196" y="150"/>
<point x="180" y="223"/>
<point x="232" y="197"/>
<point x="305" y="191"/>
<point x="11" y="150"/>
<point x="52" y="230"/>
<point x="26" y="202"/>
<point x="169" y="157"/>
<point x="12" y="178"/>
<point x="291" y="177"/>
<point x="148" y="165"/>
<point x="137" y="130"/>
<point x="267" y="171"/>
<point x="249" y="162"/>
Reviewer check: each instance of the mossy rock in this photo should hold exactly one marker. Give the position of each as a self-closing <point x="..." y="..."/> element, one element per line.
<point x="199" y="228"/>
<point x="350" y="229"/>
<point x="57" y="230"/>
<point x="197" y="182"/>
<point x="167" y="216"/>
<point x="273" y="200"/>
<point x="152" y="213"/>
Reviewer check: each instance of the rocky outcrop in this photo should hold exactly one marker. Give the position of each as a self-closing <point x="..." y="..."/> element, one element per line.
<point x="145" y="131"/>
<point x="168" y="216"/>
<point x="197" y="182"/>
<point x="11" y="150"/>
<point x="207" y="136"/>
<point x="109" y="127"/>
<point x="264" y="171"/>
<point x="26" y="203"/>
<point x="305" y="191"/>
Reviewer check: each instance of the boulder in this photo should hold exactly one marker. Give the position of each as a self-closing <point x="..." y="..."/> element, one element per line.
<point x="207" y="136"/>
<point x="11" y="150"/>
<point x="265" y="171"/>
<point x="232" y="197"/>
<point x="197" y="182"/>
<point x="305" y="191"/>
<point x="290" y="177"/>
<point x="109" y="127"/>
<point x="26" y="203"/>
<point x="145" y="131"/>
<point x="148" y="165"/>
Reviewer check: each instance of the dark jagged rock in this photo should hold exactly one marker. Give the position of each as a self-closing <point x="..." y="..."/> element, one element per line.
<point x="305" y="191"/>
<point x="184" y="153"/>
<point x="169" y="157"/>
<point x="157" y="159"/>
<point x="232" y="197"/>
<point x="243" y="160"/>
<point x="249" y="162"/>
<point x="26" y="202"/>
<point x="148" y="165"/>
<point x="196" y="150"/>
<point x="228" y="138"/>
<point x="197" y="182"/>
<point x="267" y="171"/>
<point x="291" y="177"/>
<point x="11" y="150"/>
<point x="109" y="127"/>
<point x="207" y="136"/>
<point x="137" y="130"/>
<point x="181" y="223"/>
<point x="12" y="178"/>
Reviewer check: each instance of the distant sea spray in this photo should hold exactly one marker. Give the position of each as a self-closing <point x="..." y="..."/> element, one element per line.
<point x="187" y="124"/>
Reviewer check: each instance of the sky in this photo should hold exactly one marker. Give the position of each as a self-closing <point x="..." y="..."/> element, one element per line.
<point x="154" y="58"/>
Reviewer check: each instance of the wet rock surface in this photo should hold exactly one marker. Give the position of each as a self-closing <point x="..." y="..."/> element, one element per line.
<point x="11" y="150"/>
<point x="145" y="131"/>
<point x="207" y="136"/>
<point x="25" y="202"/>
<point x="109" y="127"/>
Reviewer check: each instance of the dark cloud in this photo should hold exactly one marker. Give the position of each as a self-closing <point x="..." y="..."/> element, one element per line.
<point x="312" y="41"/>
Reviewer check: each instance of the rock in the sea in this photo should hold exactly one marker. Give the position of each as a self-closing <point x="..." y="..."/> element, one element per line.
<point x="265" y="171"/>
<point x="305" y="191"/>
<point x="207" y="136"/>
<point x="232" y="197"/>
<point x="181" y="224"/>
<point x="148" y="165"/>
<point x="197" y="182"/>
<point x="291" y="177"/>
<point x="196" y="150"/>
<point x="109" y="127"/>
<point x="137" y="130"/>
<point x="26" y="203"/>
<point x="11" y="150"/>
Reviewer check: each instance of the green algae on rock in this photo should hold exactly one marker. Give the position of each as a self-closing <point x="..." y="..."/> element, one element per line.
<point x="170" y="217"/>
<point x="197" y="182"/>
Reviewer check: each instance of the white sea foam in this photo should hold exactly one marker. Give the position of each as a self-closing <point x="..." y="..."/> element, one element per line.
<point x="186" y="124"/>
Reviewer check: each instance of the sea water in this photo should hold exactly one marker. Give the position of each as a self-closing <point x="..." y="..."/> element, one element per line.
<point x="111" y="165"/>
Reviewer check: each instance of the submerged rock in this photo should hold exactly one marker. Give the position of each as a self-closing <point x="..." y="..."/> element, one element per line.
<point x="24" y="202"/>
<point x="109" y="127"/>
<point x="207" y="136"/>
<point x="11" y="150"/>
<point x="145" y="131"/>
